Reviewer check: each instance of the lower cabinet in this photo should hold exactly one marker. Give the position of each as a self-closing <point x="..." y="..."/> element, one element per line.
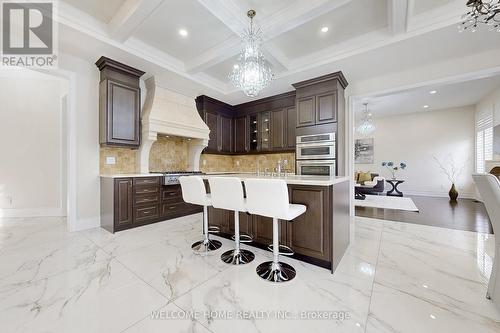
<point x="131" y="202"/>
<point x="309" y="235"/>
<point x="123" y="211"/>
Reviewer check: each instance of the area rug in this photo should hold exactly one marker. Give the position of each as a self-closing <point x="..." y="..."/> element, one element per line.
<point x="387" y="202"/>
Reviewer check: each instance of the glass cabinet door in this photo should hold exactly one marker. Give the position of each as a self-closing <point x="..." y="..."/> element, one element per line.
<point x="264" y="130"/>
<point x="253" y="133"/>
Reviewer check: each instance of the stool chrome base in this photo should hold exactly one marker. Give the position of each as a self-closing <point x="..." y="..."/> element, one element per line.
<point x="276" y="272"/>
<point x="237" y="258"/>
<point x="205" y="246"/>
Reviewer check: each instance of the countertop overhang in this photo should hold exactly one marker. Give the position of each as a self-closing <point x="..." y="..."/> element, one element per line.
<point x="289" y="179"/>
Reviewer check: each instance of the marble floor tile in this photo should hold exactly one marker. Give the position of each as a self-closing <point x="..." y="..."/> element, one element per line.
<point x="174" y="270"/>
<point x="394" y="277"/>
<point x="398" y="311"/>
<point x="342" y="299"/>
<point x="103" y="297"/>
<point x="171" y="319"/>
<point x="20" y="266"/>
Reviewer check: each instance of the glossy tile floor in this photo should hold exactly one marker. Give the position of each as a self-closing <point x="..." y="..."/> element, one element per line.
<point x="395" y="277"/>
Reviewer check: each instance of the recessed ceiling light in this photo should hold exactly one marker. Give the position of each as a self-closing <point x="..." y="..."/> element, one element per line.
<point x="183" y="32"/>
<point x="432" y="316"/>
<point x="324" y="29"/>
<point x="426" y="106"/>
<point x="432" y="92"/>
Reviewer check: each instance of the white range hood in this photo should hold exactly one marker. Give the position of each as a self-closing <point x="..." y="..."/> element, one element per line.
<point x="170" y="113"/>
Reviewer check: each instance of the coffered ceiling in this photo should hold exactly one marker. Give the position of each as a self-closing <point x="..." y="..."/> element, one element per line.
<point x="293" y="40"/>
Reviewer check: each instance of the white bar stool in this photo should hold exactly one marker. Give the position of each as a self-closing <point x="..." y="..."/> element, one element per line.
<point x="227" y="193"/>
<point x="194" y="192"/>
<point x="269" y="197"/>
<point x="489" y="188"/>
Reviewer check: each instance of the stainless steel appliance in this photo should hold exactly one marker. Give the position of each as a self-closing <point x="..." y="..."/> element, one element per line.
<point x="316" y="167"/>
<point x="316" y="154"/>
<point x="316" y="147"/>
<point x="172" y="177"/>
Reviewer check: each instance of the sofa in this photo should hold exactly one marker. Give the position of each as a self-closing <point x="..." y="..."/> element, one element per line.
<point x="375" y="186"/>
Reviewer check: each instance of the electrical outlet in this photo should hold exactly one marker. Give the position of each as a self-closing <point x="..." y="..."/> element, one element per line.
<point x="204" y="162"/>
<point x="110" y="160"/>
<point x="237" y="162"/>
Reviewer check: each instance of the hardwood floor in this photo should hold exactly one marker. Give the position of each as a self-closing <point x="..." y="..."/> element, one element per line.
<point x="466" y="214"/>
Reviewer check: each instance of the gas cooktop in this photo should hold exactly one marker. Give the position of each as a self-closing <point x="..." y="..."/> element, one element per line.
<point x="172" y="177"/>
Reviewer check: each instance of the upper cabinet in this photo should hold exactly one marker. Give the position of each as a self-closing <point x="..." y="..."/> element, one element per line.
<point x="318" y="99"/>
<point x="119" y="104"/>
<point x="241" y="134"/>
<point x="219" y="118"/>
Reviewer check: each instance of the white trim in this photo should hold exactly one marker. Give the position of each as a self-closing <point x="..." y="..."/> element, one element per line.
<point x="87" y="223"/>
<point x="32" y="212"/>
<point x="71" y="144"/>
<point x="437" y="194"/>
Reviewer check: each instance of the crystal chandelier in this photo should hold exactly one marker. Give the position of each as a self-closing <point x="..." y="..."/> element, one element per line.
<point x="481" y="12"/>
<point x="252" y="73"/>
<point x="367" y="126"/>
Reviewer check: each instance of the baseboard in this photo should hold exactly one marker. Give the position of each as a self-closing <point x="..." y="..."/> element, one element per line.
<point x="438" y="194"/>
<point x="87" y="223"/>
<point x="32" y="212"/>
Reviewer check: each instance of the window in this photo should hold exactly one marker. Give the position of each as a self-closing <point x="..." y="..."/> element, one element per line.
<point x="484" y="140"/>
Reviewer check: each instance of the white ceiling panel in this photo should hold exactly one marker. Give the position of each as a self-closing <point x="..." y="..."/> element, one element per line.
<point x="422" y="6"/>
<point x="221" y="70"/>
<point x="447" y="96"/>
<point x="351" y="20"/>
<point x="161" y="30"/>
<point x="102" y="10"/>
<point x="266" y="8"/>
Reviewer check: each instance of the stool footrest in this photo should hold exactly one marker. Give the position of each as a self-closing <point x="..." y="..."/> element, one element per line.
<point x="283" y="250"/>
<point x="213" y="229"/>
<point x="244" y="238"/>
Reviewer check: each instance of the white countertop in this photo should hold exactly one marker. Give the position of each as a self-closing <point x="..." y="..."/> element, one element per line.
<point x="132" y="175"/>
<point x="290" y="179"/>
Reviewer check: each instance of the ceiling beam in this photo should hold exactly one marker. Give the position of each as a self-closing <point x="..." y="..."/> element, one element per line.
<point x="233" y="15"/>
<point x="398" y="16"/>
<point x="130" y="16"/>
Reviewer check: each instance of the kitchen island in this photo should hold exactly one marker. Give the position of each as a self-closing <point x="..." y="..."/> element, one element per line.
<point x="320" y="236"/>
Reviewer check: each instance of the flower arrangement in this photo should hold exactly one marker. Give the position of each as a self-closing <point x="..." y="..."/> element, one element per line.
<point x="394" y="168"/>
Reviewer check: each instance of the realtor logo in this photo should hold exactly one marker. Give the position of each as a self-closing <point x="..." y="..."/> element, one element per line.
<point x="28" y="34"/>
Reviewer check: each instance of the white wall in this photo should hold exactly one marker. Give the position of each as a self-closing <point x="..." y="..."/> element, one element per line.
<point x="491" y="103"/>
<point x="32" y="179"/>
<point x="84" y="108"/>
<point x="415" y="138"/>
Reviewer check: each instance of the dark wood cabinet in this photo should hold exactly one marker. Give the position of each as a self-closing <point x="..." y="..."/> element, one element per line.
<point x="306" y="107"/>
<point x="291" y="123"/>
<point x="226" y="134"/>
<point x="326" y="108"/>
<point x="219" y="118"/>
<point x="309" y="234"/>
<point x="278" y="129"/>
<point x="132" y="202"/>
<point x="123" y="203"/>
<point x="318" y="100"/>
<point x="241" y="134"/>
<point x="119" y="104"/>
<point x="263" y="230"/>
<point x="212" y="121"/>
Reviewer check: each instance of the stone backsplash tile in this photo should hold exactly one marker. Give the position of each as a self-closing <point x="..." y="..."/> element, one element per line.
<point x="245" y="163"/>
<point x="125" y="160"/>
<point x="169" y="154"/>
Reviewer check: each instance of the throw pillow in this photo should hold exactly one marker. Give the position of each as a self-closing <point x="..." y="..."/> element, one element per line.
<point x="364" y="177"/>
